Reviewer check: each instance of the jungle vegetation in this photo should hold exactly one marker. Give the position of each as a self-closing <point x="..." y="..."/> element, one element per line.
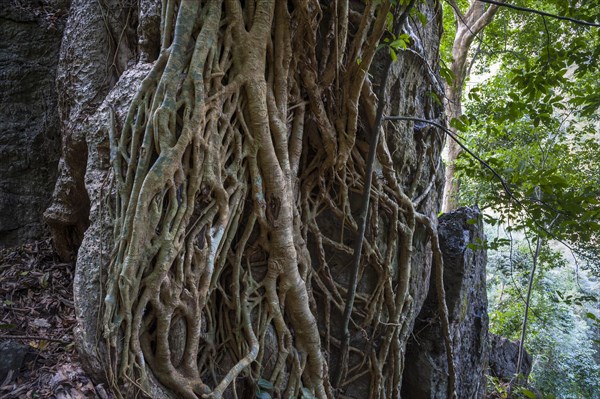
<point x="531" y="112"/>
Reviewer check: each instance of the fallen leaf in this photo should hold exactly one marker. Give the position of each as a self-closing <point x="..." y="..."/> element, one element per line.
<point x="42" y="323"/>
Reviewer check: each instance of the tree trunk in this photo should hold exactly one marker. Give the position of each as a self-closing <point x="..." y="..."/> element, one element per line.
<point x="468" y="26"/>
<point x="224" y="174"/>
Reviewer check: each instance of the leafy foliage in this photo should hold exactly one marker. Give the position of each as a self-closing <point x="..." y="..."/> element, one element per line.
<point x="536" y="122"/>
<point x="532" y="114"/>
<point x="562" y="333"/>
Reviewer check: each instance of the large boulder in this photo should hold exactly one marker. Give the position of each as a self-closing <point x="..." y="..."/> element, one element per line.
<point x="94" y="254"/>
<point x="426" y="373"/>
<point x="12" y="355"/>
<point x="83" y="192"/>
<point x="31" y="35"/>
<point x="504" y="355"/>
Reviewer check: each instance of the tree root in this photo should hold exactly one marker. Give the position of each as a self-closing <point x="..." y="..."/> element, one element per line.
<point x="230" y="158"/>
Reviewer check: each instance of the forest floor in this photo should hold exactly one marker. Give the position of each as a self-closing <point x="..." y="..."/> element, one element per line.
<point x="37" y="321"/>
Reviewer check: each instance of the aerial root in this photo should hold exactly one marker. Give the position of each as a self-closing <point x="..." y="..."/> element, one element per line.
<point x="227" y="183"/>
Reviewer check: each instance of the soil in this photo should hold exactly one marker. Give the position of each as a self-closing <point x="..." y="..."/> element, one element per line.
<point x="36" y="310"/>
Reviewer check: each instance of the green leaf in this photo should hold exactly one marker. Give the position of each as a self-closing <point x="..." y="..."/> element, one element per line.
<point x="461" y="123"/>
<point x="529" y="394"/>
<point x="401" y="42"/>
<point x="389" y="21"/>
<point x="473" y="221"/>
<point x="422" y="17"/>
<point x="446" y="73"/>
<point x="592" y="316"/>
<point x="435" y="98"/>
<point x="7" y="326"/>
<point x="558" y="180"/>
<point x="492" y="221"/>
<point x="307" y="394"/>
<point x="265" y="384"/>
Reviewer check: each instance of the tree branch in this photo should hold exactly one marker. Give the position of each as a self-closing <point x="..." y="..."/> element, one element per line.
<point x="455" y="7"/>
<point x="486" y="17"/>
<point x="438" y="264"/>
<point x="542" y="13"/>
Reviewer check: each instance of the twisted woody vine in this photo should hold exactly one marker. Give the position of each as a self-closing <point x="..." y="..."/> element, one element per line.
<point x="248" y="134"/>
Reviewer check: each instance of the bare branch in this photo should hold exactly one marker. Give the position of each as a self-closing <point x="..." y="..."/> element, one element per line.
<point x="542" y="13"/>
<point x="486" y="17"/>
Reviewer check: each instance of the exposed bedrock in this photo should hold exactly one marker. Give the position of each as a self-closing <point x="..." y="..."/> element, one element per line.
<point x="30" y="39"/>
<point x="425" y="375"/>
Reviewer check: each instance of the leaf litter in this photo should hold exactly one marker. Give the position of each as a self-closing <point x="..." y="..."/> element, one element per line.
<point x="36" y="310"/>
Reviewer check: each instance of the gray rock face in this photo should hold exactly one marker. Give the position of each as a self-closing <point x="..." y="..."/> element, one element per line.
<point x="79" y="203"/>
<point x="30" y="38"/>
<point x="504" y="355"/>
<point x="464" y="281"/>
<point x="96" y="34"/>
<point x="94" y="253"/>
